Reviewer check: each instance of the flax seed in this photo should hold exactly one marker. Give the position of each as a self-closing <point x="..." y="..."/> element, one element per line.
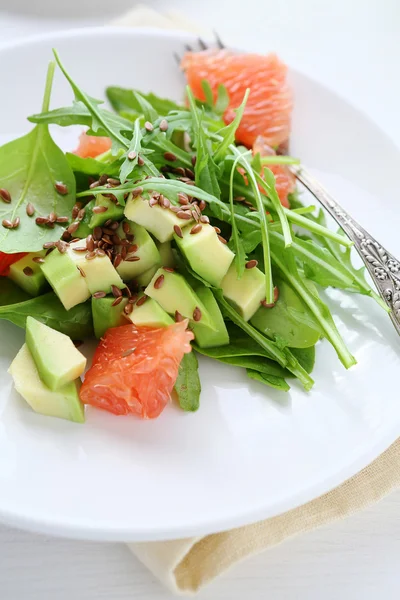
<point x="28" y="271"/>
<point x="165" y="202"/>
<point x="5" y="195"/>
<point x="61" y="220"/>
<point x="112" y="181"/>
<point x="81" y="271"/>
<point x="16" y="223"/>
<point x="148" y="126"/>
<point x="222" y="240"/>
<point x="141" y="300"/>
<point x="114" y="225"/>
<point x="183" y="215"/>
<point x="38" y="260"/>
<point x="178" y="317"/>
<point x="117" y="301"/>
<point x="116" y="292"/>
<point x="80" y="249"/>
<point x="240" y="199"/>
<point x="128" y="308"/>
<point x="100" y="252"/>
<point x="73" y="227"/>
<point x="117" y="260"/>
<point x="196" y="229"/>
<point x="126" y="228"/>
<point x="197" y="314"/>
<point x="175" y="209"/>
<point x="30" y="209"/>
<point x="179" y="171"/>
<point x="95" y="184"/>
<point x="251" y="264"/>
<point x="97" y="233"/>
<point x="98" y="295"/>
<point x="132" y="155"/>
<point x="81" y="214"/>
<point x="140" y="161"/>
<point x="194" y="158"/>
<point x="99" y="209"/>
<point x="178" y="231"/>
<point x="170" y="156"/>
<point x="61" y="246"/>
<point x="183" y="199"/>
<point x="217" y="229"/>
<point x="48" y="245"/>
<point x="137" y="192"/>
<point x="204" y="219"/>
<point x="153" y="202"/>
<point x="158" y="282"/>
<point x="202" y="205"/>
<point x="103" y="179"/>
<point x="133" y="248"/>
<point x="61" y="188"/>
<point x="169" y="269"/>
<point x="132" y="258"/>
<point x="163" y="125"/>
<point x="116" y="240"/>
<point x="189" y="173"/>
<point x="41" y="221"/>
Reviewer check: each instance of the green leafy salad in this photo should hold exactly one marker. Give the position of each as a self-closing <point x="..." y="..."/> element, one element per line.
<point x="173" y="222"/>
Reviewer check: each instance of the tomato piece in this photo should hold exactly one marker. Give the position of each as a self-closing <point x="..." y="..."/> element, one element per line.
<point x="6" y="260"/>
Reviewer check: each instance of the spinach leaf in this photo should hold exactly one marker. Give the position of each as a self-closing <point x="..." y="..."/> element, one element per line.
<point x="271" y="380"/>
<point x="122" y="99"/>
<point x="187" y="385"/>
<point x="10" y="292"/>
<point x="268" y="184"/>
<point x="30" y="167"/>
<point x="91" y="166"/>
<point x="250" y="240"/>
<point x="306" y="357"/>
<point x="256" y="363"/>
<point x="77" y="322"/>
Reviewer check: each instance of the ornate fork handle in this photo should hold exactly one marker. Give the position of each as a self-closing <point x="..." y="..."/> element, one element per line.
<point x="383" y="267"/>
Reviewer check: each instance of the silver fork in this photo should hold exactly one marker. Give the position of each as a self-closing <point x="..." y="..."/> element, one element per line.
<point x="382" y="266"/>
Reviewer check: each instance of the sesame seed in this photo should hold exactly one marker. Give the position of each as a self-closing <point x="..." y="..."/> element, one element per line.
<point x="204" y="219"/>
<point x="73" y="227"/>
<point x="28" y="271"/>
<point x="118" y="300"/>
<point x="81" y="271"/>
<point x="99" y="209"/>
<point x="183" y="215"/>
<point x="158" y="282"/>
<point x="38" y="260"/>
<point x="5" y="195"/>
<point x="132" y="155"/>
<point x="148" y="126"/>
<point x="141" y="300"/>
<point x="163" y="125"/>
<point x="126" y="227"/>
<point x="170" y="156"/>
<point x="61" y="188"/>
<point x="178" y="317"/>
<point x="62" y="220"/>
<point x="178" y="231"/>
<point x="251" y="264"/>
<point x="197" y="314"/>
<point x="116" y="292"/>
<point x="222" y="240"/>
<point x="30" y="209"/>
<point x="16" y="223"/>
<point x="196" y="229"/>
<point x="169" y="269"/>
<point x="140" y="161"/>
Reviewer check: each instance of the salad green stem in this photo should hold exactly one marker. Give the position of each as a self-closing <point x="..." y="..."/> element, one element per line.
<point x="279" y="160"/>
<point x="48" y="86"/>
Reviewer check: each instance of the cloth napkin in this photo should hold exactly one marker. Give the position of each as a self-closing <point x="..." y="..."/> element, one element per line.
<point x="186" y="565"/>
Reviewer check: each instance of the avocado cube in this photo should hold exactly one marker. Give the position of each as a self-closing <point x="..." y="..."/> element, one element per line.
<point x="167" y="258"/>
<point x="63" y="403"/>
<point x="57" y="360"/>
<point x="65" y="279"/>
<point x="99" y="272"/>
<point x="28" y="275"/>
<point x="159" y="221"/>
<point x="147" y="253"/>
<point x="175" y="294"/>
<point x="105" y="315"/>
<point x="246" y="293"/>
<point x="114" y="212"/>
<point x="206" y="337"/>
<point x="149" y="314"/>
<point x="207" y="256"/>
<point x="144" y="278"/>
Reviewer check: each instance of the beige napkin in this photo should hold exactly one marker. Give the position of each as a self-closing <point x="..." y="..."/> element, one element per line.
<point x="186" y="565"/>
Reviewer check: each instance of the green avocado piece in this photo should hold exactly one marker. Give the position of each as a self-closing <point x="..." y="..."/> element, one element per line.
<point x="206" y="255"/>
<point x="84" y="228"/>
<point x="246" y="293"/>
<point x="289" y="320"/>
<point x="149" y="314"/>
<point x="205" y="337"/>
<point x="175" y="294"/>
<point x="28" y="275"/>
<point x="63" y="403"/>
<point x="65" y="279"/>
<point x="105" y="315"/>
<point x="147" y="252"/>
<point x="114" y="212"/>
<point x="167" y="258"/>
<point x="144" y="278"/>
<point x="57" y="360"/>
<point x="98" y="273"/>
<point x="158" y="221"/>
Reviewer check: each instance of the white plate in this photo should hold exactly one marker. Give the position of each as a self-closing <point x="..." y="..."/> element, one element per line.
<point x="250" y="452"/>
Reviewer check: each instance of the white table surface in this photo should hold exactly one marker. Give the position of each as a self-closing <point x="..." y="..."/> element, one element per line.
<point x="353" y="46"/>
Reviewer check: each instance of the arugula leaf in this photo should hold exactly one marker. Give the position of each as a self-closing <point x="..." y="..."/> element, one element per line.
<point x="122" y="99"/>
<point x="268" y="183"/>
<point x="251" y="240"/>
<point x="288" y="269"/>
<point x="208" y="93"/>
<point x="206" y="171"/>
<point x="160" y="144"/>
<point x="146" y="109"/>
<point x="135" y="146"/>
<point x="91" y="166"/>
<point x="76" y="322"/>
<point x="187" y="385"/>
<point x="30" y="166"/>
<point x="227" y="133"/>
<point x="271" y="380"/>
<point x="236" y="242"/>
<point x="10" y="292"/>
<point x="222" y="101"/>
<point x="98" y="122"/>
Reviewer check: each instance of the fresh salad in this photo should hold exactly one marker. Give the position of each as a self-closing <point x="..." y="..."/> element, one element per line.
<point x="174" y="230"/>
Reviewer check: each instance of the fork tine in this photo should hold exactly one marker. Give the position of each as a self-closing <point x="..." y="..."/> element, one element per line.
<point x="177" y="59"/>
<point x="202" y="44"/>
<point x="220" y="43"/>
<point x="188" y="48"/>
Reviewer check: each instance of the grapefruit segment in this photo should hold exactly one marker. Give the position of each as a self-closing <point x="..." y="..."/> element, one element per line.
<point x="92" y="145"/>
<point x="135" y="368"/>
<point x="269" y="107"/>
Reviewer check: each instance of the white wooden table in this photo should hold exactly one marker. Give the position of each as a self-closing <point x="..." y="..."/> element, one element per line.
<point x="353" y="47"/>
